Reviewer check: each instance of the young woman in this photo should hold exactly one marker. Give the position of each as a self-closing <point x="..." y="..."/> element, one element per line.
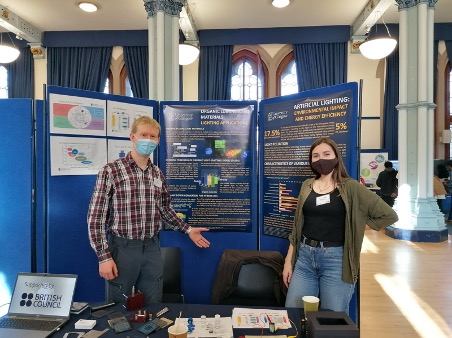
<point x="325" y="244"/>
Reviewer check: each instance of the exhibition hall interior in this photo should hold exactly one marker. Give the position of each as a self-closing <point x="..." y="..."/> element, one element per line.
<point x="241" y="90"/>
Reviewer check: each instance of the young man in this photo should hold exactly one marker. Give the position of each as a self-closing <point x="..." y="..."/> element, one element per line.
<point x="129" y="203"/>
<point x="387" y="181"/>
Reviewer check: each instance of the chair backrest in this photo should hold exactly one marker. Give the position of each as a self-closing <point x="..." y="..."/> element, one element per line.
<point x="172" y="277"/>
<point x="249" y="277"/>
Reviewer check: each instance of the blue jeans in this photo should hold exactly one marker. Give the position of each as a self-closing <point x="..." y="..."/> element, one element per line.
<point x="318" y="272"/>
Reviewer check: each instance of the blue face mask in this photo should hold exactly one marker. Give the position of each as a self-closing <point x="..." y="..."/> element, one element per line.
<point x="145" y="147"/>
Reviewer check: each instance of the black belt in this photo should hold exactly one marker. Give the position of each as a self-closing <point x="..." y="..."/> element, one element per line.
<point x="318" y="244"/>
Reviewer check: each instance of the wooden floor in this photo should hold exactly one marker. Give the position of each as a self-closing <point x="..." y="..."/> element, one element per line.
<point x="405" y="288"/>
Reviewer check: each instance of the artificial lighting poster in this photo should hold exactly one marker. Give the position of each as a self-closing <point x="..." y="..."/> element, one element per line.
<point x="207" y="156"/>
<point x="288" y="126"/>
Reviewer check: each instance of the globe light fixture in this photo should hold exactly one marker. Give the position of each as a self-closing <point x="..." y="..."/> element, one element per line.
<point x="280" y="3"/>
<point x="187" y="53"/>
<point x="378" y="47"/>
<point x="7" y="53"/>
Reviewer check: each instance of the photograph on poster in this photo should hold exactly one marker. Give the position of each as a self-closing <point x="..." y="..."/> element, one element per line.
<point x="76" y="155"/>
<point x="77" y="115"/>
<point x="121" y="115"/>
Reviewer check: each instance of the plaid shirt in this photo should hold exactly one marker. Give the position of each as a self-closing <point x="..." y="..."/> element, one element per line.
<point x="129" y="202"/>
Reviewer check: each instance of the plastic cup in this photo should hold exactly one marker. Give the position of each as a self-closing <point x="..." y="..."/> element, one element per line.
<point x="310" y="303"/>
<point x="177" y="331"/>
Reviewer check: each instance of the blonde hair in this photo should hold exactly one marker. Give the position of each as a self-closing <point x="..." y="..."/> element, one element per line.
<point x="145" y="120"/>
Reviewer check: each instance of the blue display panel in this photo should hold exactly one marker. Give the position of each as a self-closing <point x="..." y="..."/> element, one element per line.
<point x="17" y="239"/>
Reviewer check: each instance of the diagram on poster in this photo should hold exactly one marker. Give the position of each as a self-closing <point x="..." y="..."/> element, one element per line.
<point x="120" y="117"/>
<point x="118" y="149"/>
<point x="77" y="115"/>
<point x="77" y="156"/>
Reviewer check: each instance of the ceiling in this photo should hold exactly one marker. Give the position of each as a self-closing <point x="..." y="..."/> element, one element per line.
<point x="64" y="15"/>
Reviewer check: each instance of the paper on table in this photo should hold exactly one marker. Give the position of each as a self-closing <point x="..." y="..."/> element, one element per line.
<point x="255" y="318"/>
<point x="201" y="329"/>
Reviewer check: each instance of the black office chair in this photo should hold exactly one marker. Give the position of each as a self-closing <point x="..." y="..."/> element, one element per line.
<point x="249" y="278"/>
<point x="172" y="279"/>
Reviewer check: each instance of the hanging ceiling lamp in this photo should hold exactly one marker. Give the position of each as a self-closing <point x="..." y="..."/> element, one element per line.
<point x="280" y="3"/>
<point x="7" y="53"/>
<point x="188" y="53"/>
<point x="378" y="47"/>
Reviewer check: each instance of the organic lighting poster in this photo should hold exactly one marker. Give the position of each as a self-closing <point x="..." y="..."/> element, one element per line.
<point x="207" y="154"/>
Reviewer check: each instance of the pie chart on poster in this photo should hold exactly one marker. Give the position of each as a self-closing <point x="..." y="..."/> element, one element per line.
<point x="79" y="117"/>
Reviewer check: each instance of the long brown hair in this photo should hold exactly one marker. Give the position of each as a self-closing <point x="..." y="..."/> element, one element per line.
<point x="339" y="172"/>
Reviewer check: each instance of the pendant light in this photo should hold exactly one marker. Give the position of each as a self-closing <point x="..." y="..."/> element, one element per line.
<point x="378" y="47"/>
<point x="7" y="53"/>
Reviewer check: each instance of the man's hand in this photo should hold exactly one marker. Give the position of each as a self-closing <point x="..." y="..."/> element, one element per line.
<point x="197" y="238"/>
<point x="108" y="269"/>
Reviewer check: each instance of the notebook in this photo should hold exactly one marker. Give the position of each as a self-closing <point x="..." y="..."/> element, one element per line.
<point x="40" y="304"/>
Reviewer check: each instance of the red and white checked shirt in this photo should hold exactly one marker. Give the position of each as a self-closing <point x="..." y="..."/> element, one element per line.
<point x="129" y="202"/>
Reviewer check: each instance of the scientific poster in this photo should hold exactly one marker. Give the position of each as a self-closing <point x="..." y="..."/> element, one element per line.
<point x="77" y="156"/>
<point x="118" y="149"/>
<point x="77" y="115"/>
<point x="287" y="130"/>
<point x="208" y="161"/>
<point x="121" y="115"/>
<point x="371" y="164"/>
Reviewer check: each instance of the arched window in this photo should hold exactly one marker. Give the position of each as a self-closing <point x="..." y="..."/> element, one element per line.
<point x="287" y="76"/>
<point x="3" y="83"/>
<point x="126" y="89"/>
<point x="108" y="89"/>
<point x="248" y="77"/>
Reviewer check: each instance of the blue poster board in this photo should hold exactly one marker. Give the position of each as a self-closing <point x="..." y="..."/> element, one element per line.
<point x="17" y="239"/>
<point x="208" y="155"/>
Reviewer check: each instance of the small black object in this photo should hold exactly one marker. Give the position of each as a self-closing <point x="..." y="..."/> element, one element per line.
<point x="122" y="326"/>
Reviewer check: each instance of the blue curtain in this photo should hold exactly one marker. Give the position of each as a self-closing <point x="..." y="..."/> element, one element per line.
<point x="391" y="100"/>
<point x="21" y="76"/>
<point x="136" y="60"/>
<point x="215" y="66"/>
<point x="320" y="64"/>
<point x="78" y="67"/>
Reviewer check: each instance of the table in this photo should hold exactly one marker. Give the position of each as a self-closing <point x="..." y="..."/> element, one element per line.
<point x="188" y="310"/>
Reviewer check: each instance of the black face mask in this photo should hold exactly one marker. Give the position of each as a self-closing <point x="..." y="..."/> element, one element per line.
<point x="324" y="167"/>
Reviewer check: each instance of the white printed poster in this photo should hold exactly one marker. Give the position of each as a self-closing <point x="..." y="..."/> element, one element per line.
<point x="77" y="156"/>
<point x="120" y="117"/>
<point x="118" y="149"/>
<point x="371" y="165"/>
<point x="77" y="115"/>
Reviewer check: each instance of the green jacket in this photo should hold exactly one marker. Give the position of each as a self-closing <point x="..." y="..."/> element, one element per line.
<point x="362" y="207"/>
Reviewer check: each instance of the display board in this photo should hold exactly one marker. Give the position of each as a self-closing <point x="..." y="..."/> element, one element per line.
<point x="208" y="155"/>
<point x="17" y="241"/>
<point x="80" y="126"/>
<point x="288" y="127"/>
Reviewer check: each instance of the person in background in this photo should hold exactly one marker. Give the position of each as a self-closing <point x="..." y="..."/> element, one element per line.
<point x="439" y="192"/>
<point x="387" y="181"/>
<point x="328" y="230"/>
<point x="129" y="203"/>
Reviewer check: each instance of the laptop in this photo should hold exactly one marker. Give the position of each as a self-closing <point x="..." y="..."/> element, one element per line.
<point x="40" y="305"/>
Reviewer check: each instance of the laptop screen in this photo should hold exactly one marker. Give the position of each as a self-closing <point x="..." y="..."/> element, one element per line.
<point x="43" y="294"/>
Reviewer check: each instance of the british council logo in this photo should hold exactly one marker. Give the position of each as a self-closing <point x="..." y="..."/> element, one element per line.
<point x="26" y="299"/>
